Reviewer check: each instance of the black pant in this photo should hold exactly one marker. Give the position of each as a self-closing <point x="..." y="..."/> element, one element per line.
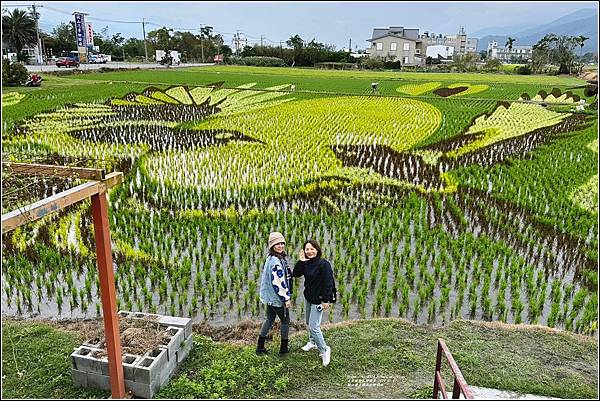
<point x="284" y="316"/>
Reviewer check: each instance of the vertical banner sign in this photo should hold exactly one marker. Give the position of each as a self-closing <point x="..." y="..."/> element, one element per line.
<point x="80" y="30"/>
<point x="90" y="35"/>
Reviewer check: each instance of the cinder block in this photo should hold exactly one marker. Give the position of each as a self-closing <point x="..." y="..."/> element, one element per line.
<point x="150" y="366"/>
<point x="92" y="343"/>
<point x="177" y="337"/>
<point x="129" y="362"/>
<point x="183" y="352"/>
<point x="143" y="315"/>
<point x="79" y="378"/>
<point x="167" y="372"/>
<point x="141" y="390"/>
<point x="82" y="359"/>
<point x="98" y="381"/>
<point x="184" y="322"/>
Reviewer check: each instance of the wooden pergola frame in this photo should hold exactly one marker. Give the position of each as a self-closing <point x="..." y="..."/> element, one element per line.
<point x="97" y="191"/>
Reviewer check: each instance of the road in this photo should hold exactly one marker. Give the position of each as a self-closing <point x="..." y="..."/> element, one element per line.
<point x="52" y="67"/>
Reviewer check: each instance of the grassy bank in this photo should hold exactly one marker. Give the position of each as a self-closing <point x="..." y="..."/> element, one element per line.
<point x="395" y="353"/>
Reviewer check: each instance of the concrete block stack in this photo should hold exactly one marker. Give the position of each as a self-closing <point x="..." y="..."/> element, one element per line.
<point x="144" y="374"/>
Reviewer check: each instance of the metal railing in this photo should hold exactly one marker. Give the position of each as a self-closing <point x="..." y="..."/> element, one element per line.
<point x="460" y="385"/>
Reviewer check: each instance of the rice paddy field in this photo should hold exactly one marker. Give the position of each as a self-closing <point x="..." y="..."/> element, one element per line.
<point x="438" y="197"/>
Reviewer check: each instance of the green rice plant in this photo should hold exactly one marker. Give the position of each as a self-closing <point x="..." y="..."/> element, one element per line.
<point x="74" y="297"/>
<point x="416" y="307"/>
<point x="554" y="311"/>
<point x="431" y="310"/>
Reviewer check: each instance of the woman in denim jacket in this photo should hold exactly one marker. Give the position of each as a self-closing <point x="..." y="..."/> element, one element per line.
<point x="276" y="293"/>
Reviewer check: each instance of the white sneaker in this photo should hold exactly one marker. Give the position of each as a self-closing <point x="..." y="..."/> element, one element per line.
<point x="309" y="345"/>
<point x="326" y="356"/>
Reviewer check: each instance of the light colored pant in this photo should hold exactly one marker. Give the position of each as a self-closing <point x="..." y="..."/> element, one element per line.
<point x="313" y="322"/>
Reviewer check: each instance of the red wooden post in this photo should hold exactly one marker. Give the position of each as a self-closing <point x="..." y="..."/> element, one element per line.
<point x="108" y="294"/>
<point x="456" y="389"/>
<point x="438" y="368"/>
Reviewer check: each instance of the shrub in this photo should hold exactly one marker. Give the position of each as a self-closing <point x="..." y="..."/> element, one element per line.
<point x="392" y="65"/>
<point x="258" y="61"/>
<point x="373" y="64"/>
<point x="13" y="74"/>
<point x="523" y="70"/>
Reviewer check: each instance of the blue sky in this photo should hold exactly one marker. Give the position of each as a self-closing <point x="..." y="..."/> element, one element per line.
<point x="329" y="22"/>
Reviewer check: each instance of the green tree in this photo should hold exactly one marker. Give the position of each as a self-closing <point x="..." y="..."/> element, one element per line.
<point x="464" y="62"/>
<point x="134" y="47"/>
<point x="492" y="64"/>
<point x="64" y="38"/>
<point x="18" y="29"/>
<point x="560" y="49"/>
<point x="297" y="43"/>
<point x="580" y="40"/>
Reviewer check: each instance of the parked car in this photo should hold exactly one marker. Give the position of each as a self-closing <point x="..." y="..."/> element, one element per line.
<point x="67" y="62"/>
<point x="97" y="59"/>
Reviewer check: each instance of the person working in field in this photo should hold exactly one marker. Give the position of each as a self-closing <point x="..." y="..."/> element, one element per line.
<point x="276" y="293"/>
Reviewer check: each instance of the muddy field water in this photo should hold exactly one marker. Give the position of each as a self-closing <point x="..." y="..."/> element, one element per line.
<point x="413" y="244"/>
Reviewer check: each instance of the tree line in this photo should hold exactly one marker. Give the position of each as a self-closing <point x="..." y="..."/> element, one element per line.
<point x="19" y="30"/>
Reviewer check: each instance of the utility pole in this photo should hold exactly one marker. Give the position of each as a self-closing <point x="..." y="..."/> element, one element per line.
<point x="145" y="46"/>
<point x="204" y="29"/>
<point x="37" y="33"/>
<point x="261" y="40"/>
<point x="202" y="42"/>
<point x="350" y="46"/>
<point x="237" y="43"/>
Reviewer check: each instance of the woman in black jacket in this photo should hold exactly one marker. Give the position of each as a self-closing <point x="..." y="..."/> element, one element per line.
<point x="318" y="288"/>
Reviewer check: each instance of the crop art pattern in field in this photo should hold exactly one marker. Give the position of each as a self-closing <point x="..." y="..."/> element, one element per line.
<point x="294" y="147"/>
<point x="11" y="98"/>
<point x="432" y="208"/>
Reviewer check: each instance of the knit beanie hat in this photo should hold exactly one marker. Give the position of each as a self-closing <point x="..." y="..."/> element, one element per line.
<point x="275" y="238"/>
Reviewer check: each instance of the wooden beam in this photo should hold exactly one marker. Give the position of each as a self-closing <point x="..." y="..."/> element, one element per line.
<point x="108" y="294"/>
<point x="57" y="171"/>
<point x="61" y="200"/>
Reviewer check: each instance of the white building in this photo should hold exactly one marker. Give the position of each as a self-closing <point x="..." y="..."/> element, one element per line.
<point x="460" y="43"/>
<point x="437" y="51"/>
<point x="518" y="54"/>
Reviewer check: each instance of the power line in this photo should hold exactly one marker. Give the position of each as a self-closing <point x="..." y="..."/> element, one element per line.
<point x="92" y="18"/>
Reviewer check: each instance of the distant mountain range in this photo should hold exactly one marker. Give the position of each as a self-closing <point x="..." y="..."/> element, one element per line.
<point x="582" y="22"/>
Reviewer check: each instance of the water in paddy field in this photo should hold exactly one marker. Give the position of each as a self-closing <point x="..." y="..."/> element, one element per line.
<point x="387" y="263"/>
<point x="430" y="258"/>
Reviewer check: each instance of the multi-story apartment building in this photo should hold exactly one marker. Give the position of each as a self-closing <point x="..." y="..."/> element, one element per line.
<point x="518" y="54"/>
<point x="460" y="43"/>
<point x="397" y="43"/>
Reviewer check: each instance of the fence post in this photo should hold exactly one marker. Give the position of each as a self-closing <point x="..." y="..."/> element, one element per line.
<point x="108" y="294"/>
<point x="456" y="389"/>
<point x="438" y="367"/>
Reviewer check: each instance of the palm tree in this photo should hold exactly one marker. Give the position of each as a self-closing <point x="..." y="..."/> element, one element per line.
<point x="580" y="40"/>
<point x="509" y="43"/>
<point x="18" y="27"/>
